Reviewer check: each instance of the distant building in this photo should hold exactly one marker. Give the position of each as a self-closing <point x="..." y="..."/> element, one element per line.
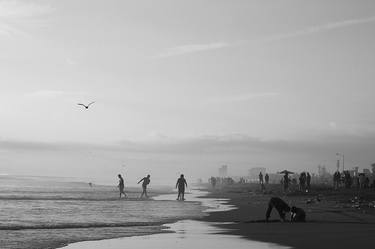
<point x="223" y="171"/>
<point x="254" y="173"/>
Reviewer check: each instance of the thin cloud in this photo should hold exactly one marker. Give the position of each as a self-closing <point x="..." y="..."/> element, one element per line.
<point x="319" y="28"/>
<point x="243" y="97"/>
<point x="17" y="16"/>
<point x="194" y="48"/>
<point x="51" y="94"/>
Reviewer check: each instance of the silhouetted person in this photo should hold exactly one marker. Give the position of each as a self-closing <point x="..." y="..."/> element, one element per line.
<point x="286" y="182"/>
<point x="302" y="181"/>
<point x="181" y="184"/>
<point x="146" y="181"/>
<point x="308" y="181"/>
<point x="260" y="178"/>
<point x="267" y="178"/>
<point x="121" y="185"/>
<point x="336" y="179"/>
<point x="213" y="181"/>
<point x="297" y="215"/>
<point x="281" y="206"/>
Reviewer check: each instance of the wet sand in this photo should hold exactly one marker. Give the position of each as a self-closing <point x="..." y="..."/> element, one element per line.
<point x="331" y="223"/>
<point x="184" y="234"/>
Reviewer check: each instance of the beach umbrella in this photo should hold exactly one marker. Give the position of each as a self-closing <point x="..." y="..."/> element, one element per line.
<point x="286" y="172"/>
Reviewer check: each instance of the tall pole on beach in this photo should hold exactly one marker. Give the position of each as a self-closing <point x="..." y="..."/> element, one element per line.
<point x="343" y="160"/>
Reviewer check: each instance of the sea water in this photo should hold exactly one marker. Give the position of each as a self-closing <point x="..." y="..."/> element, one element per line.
<point x="50" y="212"/>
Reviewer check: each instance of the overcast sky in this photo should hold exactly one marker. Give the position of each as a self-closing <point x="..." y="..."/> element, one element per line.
<point x="292" y="79"/>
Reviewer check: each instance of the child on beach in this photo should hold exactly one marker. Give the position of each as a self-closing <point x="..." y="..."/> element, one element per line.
<point x="146" y="181"/>
<point x="297" y="215"/>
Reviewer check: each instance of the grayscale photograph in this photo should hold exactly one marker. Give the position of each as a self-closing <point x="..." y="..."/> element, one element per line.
<point x="187" y="124"/>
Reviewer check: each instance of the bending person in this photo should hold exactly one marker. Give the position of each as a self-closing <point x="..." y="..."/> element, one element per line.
<point x="281" y="206"/>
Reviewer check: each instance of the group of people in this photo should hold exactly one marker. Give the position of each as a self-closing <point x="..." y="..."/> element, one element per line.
<point x="297" y="214"/>
<point x="360" y="181"/>
<point x="266" y="178"/>
<point x="180" y="185"/>
<point x="303" y="181"/>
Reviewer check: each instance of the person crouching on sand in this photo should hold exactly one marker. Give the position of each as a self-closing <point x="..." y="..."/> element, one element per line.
<point x="297" y="215"/>
<point x="121" y="185"/>
<point x="181" y="183"/>
<point x="146" y="181"/>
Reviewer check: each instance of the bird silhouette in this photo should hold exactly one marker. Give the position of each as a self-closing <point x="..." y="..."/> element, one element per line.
<point x="86" y="106"/>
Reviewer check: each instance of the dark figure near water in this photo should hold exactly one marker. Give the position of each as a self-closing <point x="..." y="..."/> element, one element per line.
<point x="281" y="206"/>
<point x="121" y="185"/>
<point x="146" y="181"/>
<point x="297" y="215"/>
<point x="181" y="184"/>
<point x="267" y="178"/>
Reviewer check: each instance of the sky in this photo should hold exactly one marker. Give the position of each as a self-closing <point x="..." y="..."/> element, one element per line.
<point x="185" y="86"/>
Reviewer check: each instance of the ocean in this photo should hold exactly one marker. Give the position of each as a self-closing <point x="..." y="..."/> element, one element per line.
<point x="40" y="212"/>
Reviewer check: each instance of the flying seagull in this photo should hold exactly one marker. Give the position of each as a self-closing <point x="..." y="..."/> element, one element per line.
<point x="86" y="106"/>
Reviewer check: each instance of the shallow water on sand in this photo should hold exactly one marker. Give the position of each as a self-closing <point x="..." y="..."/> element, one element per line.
<point x="186" y="234"/>
<point x="40" y="213"/>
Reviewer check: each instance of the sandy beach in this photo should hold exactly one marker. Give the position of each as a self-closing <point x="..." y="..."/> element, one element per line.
<point x="235" y="218"/>
<point x="334" y="222"/>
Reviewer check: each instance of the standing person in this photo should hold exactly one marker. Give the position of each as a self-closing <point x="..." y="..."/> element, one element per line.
<point x="302" y="180"/>
<point x="260" y="178"/>
<point x="308" y="181"/>
<point x="267" y="178"/>
<point x="121" y="185"/>
<point x="146" y="181"/>
<point x="213" y="181"/>
<point x="181" y="184"/>
<point x="286" y="181"/>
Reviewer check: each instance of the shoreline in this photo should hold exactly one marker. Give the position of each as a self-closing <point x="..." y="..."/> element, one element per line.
<point x="331" y="223"/>
<point x="185" y="232"/>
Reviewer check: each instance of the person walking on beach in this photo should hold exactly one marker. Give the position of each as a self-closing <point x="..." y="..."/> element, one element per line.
<point x="121" y="185"/>
<point x="146" y="181"/>
<point x="181" y="184"/>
